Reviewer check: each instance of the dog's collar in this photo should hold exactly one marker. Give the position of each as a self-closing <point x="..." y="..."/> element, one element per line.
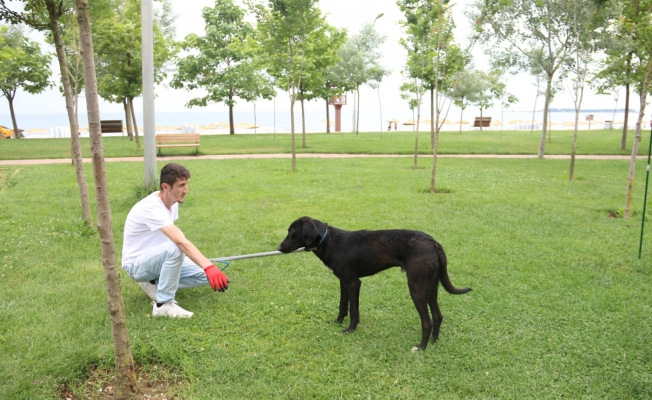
<point x="320" y="242"/>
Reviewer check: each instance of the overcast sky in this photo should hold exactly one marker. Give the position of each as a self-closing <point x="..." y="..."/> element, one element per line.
<point x="349" y="14"/>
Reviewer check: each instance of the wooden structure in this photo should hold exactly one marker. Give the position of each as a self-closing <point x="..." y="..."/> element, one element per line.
<point x="482" y="122"/>
<point x="111" y="126"/>
<point x="177" y="140"/>
<point x="338" y="102"/>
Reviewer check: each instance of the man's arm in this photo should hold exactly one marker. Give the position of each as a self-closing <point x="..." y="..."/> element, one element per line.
<point x="216" y="278"/>
<point x="189" y="249"/>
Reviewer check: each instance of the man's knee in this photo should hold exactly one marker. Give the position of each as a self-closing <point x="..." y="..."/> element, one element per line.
<point x="173" y="252"/>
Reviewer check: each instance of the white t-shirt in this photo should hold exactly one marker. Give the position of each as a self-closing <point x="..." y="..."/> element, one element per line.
<point x="143" y="226"/>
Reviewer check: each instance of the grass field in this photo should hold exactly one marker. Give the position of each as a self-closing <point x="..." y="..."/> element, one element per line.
<point x="560" y="306"/>
<point x="469" y="142"/>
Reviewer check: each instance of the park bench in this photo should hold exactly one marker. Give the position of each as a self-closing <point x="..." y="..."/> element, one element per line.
<point x="177" y="140"/>
<point x="482" y="122"/>
<point x="111" y="126"/>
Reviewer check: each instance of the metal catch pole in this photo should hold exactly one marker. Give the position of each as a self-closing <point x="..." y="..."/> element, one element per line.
<point x="647" y="177"/>
<point x="254" y="255"/>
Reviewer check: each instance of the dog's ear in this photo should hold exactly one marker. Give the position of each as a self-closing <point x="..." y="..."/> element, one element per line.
<point x="309" y="232"/>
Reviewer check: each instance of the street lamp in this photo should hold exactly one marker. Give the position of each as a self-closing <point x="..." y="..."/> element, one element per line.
<point x="149" y="140"/>
<point x="380" y="106"/>
<point x="354" y="94"/>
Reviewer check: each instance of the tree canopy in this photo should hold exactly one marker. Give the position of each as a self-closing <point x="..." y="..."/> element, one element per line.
<point x="220" y="62"/>
<point x="117" y="40"/>
<point x="22" y="66"/>
<point x="521" y="34"/>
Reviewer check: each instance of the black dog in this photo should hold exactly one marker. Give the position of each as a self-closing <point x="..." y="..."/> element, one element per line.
<point x="352" y="255"/>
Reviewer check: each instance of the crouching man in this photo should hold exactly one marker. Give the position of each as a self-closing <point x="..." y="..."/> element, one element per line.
<point x="157" y="255"/>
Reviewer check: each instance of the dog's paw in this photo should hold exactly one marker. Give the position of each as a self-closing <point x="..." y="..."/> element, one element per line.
<point x="349" y="330"/>
<point x="416" y="348"/>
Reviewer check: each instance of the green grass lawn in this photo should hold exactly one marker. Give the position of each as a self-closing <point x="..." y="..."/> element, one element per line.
<point x="469" y="142"/>
<point x="560" y="306"/>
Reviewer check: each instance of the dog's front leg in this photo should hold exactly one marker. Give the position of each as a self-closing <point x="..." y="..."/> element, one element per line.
<point x="353" y="290"/>
<point x="344" y="303"/>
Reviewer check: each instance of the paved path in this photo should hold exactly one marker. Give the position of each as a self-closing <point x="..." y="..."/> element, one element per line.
<point x="315" y="155"/>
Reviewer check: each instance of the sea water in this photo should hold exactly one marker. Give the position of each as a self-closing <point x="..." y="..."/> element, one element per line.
<point x="315" y="121"/>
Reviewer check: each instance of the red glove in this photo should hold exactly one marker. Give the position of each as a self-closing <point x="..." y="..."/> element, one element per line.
<point x="218" y="280"/>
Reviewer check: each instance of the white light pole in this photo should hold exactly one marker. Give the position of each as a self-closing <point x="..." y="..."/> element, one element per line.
<point x="149" y="139"/>
<point x="355" y="103"/>
<point x="380" y="106"/>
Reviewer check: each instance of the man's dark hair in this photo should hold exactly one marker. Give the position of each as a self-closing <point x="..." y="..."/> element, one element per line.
<point x="173" y="171"/>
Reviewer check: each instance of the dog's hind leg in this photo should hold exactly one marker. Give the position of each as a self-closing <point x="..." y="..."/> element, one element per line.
<point x="437" y="316"/>
<point x="344" y="303"/>
<point x="419" y="294"/>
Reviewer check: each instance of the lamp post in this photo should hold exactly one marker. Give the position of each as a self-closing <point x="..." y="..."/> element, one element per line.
<point x="380" y="106"/>
<point x="148" y="94"/>
<point x="355" y="100"/>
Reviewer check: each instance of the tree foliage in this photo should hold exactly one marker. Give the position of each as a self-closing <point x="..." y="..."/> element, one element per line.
<point x="22" y="66"/>
<point x="359" y="63"/>
<point x="521" y="34"/>
<point x="220" y="62"/>
<point x="623" y="64"/>
<point x="282" y="42"/>
<point x="117" y="38"/>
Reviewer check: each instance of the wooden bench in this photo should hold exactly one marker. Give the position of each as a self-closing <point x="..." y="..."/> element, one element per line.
<point x="482" y="122"/>
<point x="177" y="140"/>
<point x="111" y="126"/>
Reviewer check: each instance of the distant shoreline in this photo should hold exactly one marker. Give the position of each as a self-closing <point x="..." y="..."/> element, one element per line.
<point x="370" y="121"/>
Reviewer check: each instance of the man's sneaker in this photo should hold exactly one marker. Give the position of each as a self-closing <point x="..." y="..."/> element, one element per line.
<point x="170" y="309"/>
<point x="149" y="289"/>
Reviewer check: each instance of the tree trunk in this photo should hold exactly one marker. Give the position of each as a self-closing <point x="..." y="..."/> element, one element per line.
<point x="130" y="131"/>
<point x="303" y="125"/>
<point x="125" y="382"/>
<point x="133" y="119"/>
<point x="415" y="127"/>
<point x="432" y="116"/>
<point x="357" y="117"/>
<point x="13" y="115"/>
<point x="435" y="143"/>
<point x="416" y="145"/>
<point x="637" y="140"/>
<point x="72" y="113"/>
<point x="534" y="110"/>
<point x="418" y="121"/>
<point x="434" y="162"/>
<point x="231" y="124"/>
<point x="380" y="108"/>
<point x="328" y="118"/>
<point x="294" y="146"/>
<point x="571" y="175"/>
<point x="546" y="104"/>
<point x="481" y="119"/>
<point x="461" y="116"/>
<point x="578" y="106"/>
<point x="623" y="140"/>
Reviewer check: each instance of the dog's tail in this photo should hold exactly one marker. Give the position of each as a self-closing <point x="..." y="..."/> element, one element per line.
<point x="443" y="274"/>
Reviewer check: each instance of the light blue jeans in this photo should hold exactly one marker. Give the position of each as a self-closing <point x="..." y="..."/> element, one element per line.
<point x="169" y="267"/>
